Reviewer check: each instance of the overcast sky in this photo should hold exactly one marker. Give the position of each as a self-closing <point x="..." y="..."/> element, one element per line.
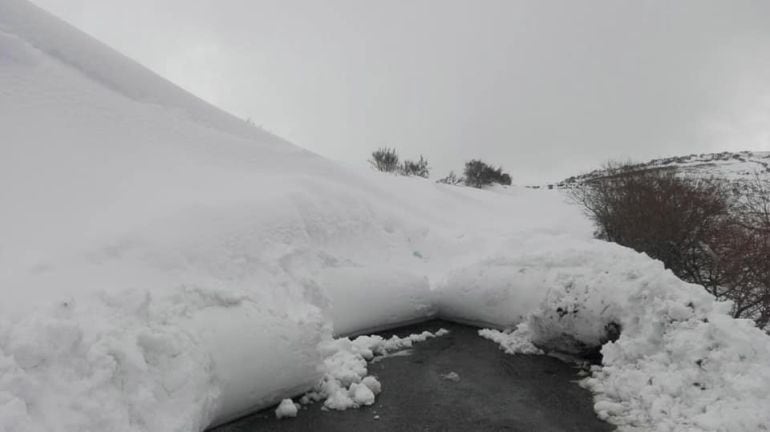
<point x="545" y="88"/>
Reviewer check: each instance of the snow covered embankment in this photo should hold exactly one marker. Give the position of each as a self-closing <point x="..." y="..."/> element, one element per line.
<point x="680" y="362"/>
<point x="165" y="266"/>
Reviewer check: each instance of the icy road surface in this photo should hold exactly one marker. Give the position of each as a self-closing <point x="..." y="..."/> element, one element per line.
<point x="457" y="382"/>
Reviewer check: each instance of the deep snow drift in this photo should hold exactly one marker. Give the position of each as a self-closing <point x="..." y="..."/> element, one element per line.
<point x="165" y="266"/>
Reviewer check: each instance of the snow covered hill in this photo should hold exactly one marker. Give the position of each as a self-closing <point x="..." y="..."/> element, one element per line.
<point x="734" y="166"/>
<point x="165" y="266"/>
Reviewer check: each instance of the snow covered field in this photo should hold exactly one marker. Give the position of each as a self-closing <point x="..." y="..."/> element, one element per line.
<point x="165" y="266"/>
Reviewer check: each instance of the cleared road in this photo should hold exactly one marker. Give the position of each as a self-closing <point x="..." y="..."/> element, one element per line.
<point x="493" y="391"/>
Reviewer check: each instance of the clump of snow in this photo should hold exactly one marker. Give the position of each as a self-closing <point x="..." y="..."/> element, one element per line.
<point x="361" y="394"/>
<point x="400" y="353"/>
<point x="287" y="408"/>
<point x="517" y="341"/>
<point x="685" y="368"/>
<point x="346" y="383"/>
<point x="373" y="384"/>
<point x="451" y="376"/>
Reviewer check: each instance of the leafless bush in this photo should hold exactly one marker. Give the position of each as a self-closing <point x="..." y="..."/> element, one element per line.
<point x="750" y="242"/>
<point x="753" y="203"/>
<point x="703" y="230"/>
<point x="412" y="168"/>
<point x="385" y="160"/>
<point x="479" y="174"/>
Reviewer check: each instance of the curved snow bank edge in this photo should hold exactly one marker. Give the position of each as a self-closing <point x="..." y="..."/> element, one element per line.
<point x="680" y="362"/>
<point x="371" y="299"/>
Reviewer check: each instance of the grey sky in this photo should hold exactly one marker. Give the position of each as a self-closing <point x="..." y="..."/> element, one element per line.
<point x="545" y="88"/>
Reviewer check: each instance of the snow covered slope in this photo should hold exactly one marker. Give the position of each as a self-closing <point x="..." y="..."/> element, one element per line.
<point x="165" y="266"/>
<point x="735" y="166"/>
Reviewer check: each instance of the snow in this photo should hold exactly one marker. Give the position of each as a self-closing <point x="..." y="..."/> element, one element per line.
<point x="347" y="291"/>
<point x="680" y="362"/>
<point x="451" y="376"/>
<point x="737" y="167"/>
<point x="518" y="341"/>
<point x="361" y="394"/>
<point x="345" y="383"/>
<point x="165" y="266"/>
<point x="285" y="409"/>
<point x="373" y="385"/>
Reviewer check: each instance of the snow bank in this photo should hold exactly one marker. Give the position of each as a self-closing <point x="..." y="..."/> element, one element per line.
<point x="680" y="362"/>
<point x="362" y="299"/>
<point x="165" y="266"/>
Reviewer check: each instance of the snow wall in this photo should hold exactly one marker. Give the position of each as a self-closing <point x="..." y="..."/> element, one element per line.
<point x="166" y="266"/>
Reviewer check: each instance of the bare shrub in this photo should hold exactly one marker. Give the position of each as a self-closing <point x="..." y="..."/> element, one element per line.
<point x="419" y="168"/>
<point x="385" y="160"/>
<point x="479" y="174"/>
<point x="753" y="203"/>
<point x="749" y="244"/>
<point x="703" y="230"/>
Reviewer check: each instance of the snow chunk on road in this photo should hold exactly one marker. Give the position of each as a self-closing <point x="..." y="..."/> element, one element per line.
<point x="345" y="383"/>
<point x="451" y="376"/>
<point x="373" y="384"/>
<point x="513" y="342"/>
<point x="287" y="408"/>
<point x="361" y="394"/>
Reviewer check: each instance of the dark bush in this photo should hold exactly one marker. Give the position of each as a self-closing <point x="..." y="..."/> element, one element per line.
<point x="749" y="242"/>
<point x="385" y="160"/>
<point x="703" y="230"/>
<point x="419" y="168"/>
<point x="479" y="174"/>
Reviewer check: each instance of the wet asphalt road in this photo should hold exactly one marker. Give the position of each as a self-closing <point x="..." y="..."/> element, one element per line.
<point x="495" y="392"/>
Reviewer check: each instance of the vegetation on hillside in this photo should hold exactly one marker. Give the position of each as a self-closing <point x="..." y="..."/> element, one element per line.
<point x="706" y="230"/>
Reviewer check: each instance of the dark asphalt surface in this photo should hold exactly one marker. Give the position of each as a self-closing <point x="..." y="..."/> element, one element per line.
<point x="495" y="392"/>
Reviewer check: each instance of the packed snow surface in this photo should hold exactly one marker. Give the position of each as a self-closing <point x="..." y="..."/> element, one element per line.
<point x="165" y="266"/>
